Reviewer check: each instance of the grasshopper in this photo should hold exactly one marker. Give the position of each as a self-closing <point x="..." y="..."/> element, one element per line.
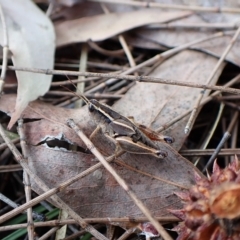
<point x="125" y="132"/>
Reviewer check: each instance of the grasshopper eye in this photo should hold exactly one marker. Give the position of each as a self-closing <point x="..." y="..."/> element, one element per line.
<point x="90" y="107"/>
<point x="168" y="140"/>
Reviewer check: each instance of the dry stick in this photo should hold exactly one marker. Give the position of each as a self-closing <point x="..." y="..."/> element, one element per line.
<point x="113" y="53"/>
<point x="174" y="25"/>
<point x="14" y="85"/>
<point x="73" y="81"/>
<point x="127" y="233"/>
<point x="4" y="145"/>
<point x="120" y="181"/>
<point x="75" y="235"/>
<point x="60" y="233"/>
<point x="96" y="95"/>
<point x="230" y="97"/>
<point x="45" y="188"/>
<point x="82" y="68"/>
<point x="129" y="77"/>
<point x="49" y="233"/>
<point x="148" y="4"/>
<point x="123" y="43"/>
<point x="8" y="201"/>
<point x="209" y="152"/>
<point x="225" y="137"/>
<point x="211" y="132"/>
<point x="232" y="105"/>
<point x="158" y="58"/>
<point x="234" y="138"/>
<point x="193" y="113"/>
<point x="27" y="183"/>
<point x="10" y="168"/>
<point x="15" y="205"/>
<point x="75" y="64"/>
<point x="80" y="233"/>
<point x="126" y="50"/>
<point x="212" y="74"/>
<point x="5" y="49"/>
<point x="55" y="223"/>
<point x="49" y="193"/>
<point x="224" y="129"/>
<point x="206" y="100"/>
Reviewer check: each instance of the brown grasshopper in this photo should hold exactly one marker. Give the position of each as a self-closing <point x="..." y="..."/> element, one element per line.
<point x="125" y="132"/>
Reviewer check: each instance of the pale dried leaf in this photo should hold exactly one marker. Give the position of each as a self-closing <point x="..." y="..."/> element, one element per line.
<point x="98" y="28"/>
<point x="32" y="44"/>
<point x="215" y="46"/>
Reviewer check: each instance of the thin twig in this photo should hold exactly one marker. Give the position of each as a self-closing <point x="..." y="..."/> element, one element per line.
<point x="206" y="100"/>
<point x="96" y="95"/>
<point x="127" y="233"/>
<point x="209" y="152"/>
<point x="123" y="42"/>
<point x="120" y="181"/>
<point x="130" y="78"/>
<point x="88" y="220"/>
<point x="194" y="113"/>
<point x="10" y="168"/>
<point x="82" y="68"/>
<point x="205" y="25"/>
<point x="113" y="53"/>
<point x="160" y="58"/>
<point x="48" y="234"/>
<point x="225" y="137"/>
<point x="210" y="78"/>
<point x="78" y="234"/>
<point x="211" y="132"/>
<point x="4" y="145"/>
<point x="27" y="183"/>
<point x="45" y="188"/>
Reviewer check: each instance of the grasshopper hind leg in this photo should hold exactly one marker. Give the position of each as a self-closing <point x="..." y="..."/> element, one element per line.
<point x="93" y="134"/>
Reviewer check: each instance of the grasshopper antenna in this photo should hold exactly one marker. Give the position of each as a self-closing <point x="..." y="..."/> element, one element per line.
<point x="81" y="96"/>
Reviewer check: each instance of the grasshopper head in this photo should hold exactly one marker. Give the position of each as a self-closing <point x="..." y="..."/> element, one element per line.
<point x="168" y="139"/>
<point x="91" y="107"/>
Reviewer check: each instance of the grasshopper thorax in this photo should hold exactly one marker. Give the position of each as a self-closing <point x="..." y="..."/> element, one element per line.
<point x="90" y="107"/>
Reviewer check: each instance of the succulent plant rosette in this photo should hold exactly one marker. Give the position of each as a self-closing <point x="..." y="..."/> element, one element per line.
<point x="212" y="206"/>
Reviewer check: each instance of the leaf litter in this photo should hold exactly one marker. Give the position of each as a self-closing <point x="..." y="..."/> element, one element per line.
<point x="23" y="33"/>
<point x="154" y="181"/>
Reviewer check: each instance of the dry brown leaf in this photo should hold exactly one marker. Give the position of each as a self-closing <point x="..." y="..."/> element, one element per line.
<point x="98" y="194"/>
<point x="31" y="42"/>
<point x="101" y="27"/>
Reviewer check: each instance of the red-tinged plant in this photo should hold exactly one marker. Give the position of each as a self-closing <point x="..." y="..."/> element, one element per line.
<point x="212" y="206"/>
